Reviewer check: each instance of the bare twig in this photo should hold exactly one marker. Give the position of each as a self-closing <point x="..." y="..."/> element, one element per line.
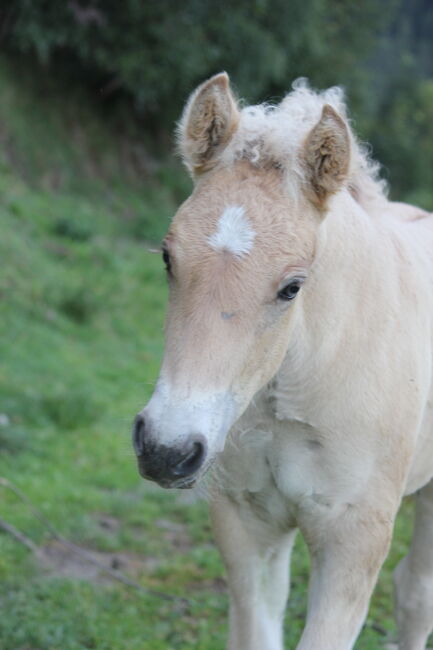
<point x="8" y="528"/>
<point x="87" y="555"/>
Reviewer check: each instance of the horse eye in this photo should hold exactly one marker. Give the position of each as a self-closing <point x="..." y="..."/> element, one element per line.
<point x="290" y="290"/>
<point x="166" y="260"/>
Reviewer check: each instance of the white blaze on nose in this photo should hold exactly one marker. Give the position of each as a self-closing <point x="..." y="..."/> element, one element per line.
<point x="175" y="416"/>
<point x="234" y="232"/>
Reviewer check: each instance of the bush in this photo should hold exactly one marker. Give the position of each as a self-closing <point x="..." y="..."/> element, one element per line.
<point x="156" y="52"/>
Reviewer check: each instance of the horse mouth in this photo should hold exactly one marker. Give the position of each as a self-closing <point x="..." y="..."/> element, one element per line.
<point x="181" y="484"/>
<point x="186" y="483"/>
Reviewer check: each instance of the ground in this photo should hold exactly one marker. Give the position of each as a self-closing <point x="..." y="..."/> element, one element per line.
<point x="81" y="316"/>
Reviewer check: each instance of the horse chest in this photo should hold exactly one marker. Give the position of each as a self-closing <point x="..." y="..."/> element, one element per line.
<point x="286" y="474"/>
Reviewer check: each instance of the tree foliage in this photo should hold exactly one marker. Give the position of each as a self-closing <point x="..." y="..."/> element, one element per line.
<point x="156" y="51"/>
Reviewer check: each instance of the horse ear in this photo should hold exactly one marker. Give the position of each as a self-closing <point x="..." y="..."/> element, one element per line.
<point x="327" y="155"/>
<point x="208" y="121"/>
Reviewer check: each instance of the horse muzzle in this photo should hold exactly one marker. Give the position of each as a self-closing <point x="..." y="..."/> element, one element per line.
<point x="170" y="467"/>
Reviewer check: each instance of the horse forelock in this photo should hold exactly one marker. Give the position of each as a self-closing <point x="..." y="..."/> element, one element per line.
<point x="273" y="135"/>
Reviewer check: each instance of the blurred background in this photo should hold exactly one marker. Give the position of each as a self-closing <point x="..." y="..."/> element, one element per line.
<point x="89" y="94"/>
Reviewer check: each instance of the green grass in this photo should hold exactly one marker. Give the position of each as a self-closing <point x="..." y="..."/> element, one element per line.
<point x="81" y="316"/>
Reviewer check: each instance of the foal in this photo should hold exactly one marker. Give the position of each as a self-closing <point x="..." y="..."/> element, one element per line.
<point x="298" y="363"/>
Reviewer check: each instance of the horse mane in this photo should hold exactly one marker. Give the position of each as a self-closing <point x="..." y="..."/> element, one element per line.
<point x="270" y="134"/>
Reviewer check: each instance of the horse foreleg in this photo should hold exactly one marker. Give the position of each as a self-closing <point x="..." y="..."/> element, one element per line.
<point x="347" y="552"/>
<point x="257" y="563"/>
<point x="413" y="579"/>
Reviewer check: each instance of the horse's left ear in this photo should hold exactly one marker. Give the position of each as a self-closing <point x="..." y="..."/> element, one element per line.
<point x="326" y="156"/>
<point x="208" y="121"/>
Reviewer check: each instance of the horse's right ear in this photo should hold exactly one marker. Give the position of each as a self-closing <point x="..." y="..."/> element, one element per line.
<point x="208" y="121"/>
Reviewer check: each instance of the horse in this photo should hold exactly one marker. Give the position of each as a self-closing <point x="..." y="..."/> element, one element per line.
<point x="298" y="364"/>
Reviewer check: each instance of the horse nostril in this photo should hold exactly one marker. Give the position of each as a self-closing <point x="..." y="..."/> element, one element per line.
<point x="193" y="458"/>
<point x="138" y="433"/>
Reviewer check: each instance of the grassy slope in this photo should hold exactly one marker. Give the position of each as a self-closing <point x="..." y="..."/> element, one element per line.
<point x="81" y="313"/>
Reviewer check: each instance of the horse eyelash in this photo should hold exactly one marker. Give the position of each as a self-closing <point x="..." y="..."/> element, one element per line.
<point x="166" y="259"/>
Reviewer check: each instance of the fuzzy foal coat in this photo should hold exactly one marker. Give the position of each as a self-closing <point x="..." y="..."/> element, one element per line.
<point x="315" y="411"/>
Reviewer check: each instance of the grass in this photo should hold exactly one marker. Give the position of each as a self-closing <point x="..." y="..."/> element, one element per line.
<point x="81" y="316"/>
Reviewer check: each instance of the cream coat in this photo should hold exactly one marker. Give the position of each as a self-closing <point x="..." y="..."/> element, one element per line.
<point x="317" y="412"/>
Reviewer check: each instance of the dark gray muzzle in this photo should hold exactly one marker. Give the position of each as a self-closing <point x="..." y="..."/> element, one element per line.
<point x="168" y="466"/>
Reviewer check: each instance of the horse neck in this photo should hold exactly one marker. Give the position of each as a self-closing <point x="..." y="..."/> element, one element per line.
<point x="341" y="298"/>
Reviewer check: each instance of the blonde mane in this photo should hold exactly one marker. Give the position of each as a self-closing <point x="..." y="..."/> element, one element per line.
<point x="274" y="134"/>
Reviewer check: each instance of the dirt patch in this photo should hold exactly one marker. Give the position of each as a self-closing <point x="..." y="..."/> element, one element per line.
<point x="217" y="585"/>
<point x="173" y="533"/>
<point x="60" y="561"/>
<point x="176" y="534"/>
<point x="108" y="523"/>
